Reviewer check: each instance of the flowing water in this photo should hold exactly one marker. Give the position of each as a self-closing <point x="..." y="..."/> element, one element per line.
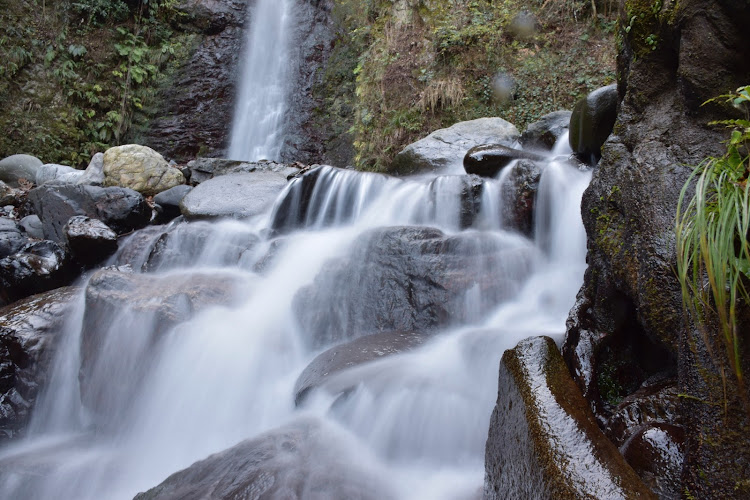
<point x="415" y="422"/>
<point x="257" y="131"/>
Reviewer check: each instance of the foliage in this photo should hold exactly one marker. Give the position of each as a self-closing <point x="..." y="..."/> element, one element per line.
<point x="713" y="253"/>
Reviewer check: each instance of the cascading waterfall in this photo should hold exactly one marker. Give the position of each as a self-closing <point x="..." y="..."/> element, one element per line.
<point x="415" y="422"/>
<point x="257" y="131"/>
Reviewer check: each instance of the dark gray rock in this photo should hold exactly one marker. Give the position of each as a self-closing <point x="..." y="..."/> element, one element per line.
<point x="60" y="174"/>
<point x="90" y="241"/>
<point x="237" y="196"/>
<point x="447" y="147"/>
<point x="592" y="121"/>
<point x="29" y="332"/>
<point x="16" y="167"/>
<point x="32" y="226"/>
<point x="94" y="173"/>
<point x="544" y="442"/>
<point x="656" y="453"/>
<point x="11" y="239"/>
<point x="121" y="209"/>
<point x="304" y="460"/>
<point x="488" y="159"/>
<point x="168" y="203"/>
<point x="543" y="134"/>
<point x="351" y="354"/>
<point x="202" y="169"/>
<point x="410" y="279"/>
<point x="36" y="268"/>
<point x="519" y="196"/>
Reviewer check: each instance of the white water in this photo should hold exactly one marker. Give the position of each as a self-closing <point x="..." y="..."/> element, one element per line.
<point x="257" y="126"/>
<point x="418" y="420"/>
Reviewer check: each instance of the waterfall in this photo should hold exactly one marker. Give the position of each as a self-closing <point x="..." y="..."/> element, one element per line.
<point x="257" y="127"/>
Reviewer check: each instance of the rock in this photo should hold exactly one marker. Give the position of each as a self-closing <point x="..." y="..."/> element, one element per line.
<point x="119" y="208"/>
<point x="32" y="226"/>
<point x="656" y="453"/>
<point x="126" y="316"/>
<point x="16" y="167"/>
<point x="168" y="203"/>
<point x="202" y="169"/>
<point x="304" y="460"/>
<point x="37" y="267"/>
<point x="235" y="195"/>
<point x="543" y="440"/>
<point x="90" y="240"/>
<point x="351" y="354"/>
<point x="447" y="147"/>
<point x="592" y="121"/>
<point x="488" y="159"/>
<point x="94" y="173"/>
<point x="139" y="168"/>
<point x="543" y="134"/>
<point x="8" y="195"/>
<point x="11" y="239"/>
<point x="29" y="332"/>
<point x="519" y="196"/>
<point x="60" y="174"/>
<point x="412" y="279"/>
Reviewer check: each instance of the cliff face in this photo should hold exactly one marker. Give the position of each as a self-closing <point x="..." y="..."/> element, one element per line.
<point x="628" y="322"/>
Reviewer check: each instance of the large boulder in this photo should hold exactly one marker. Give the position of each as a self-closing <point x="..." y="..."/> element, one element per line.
<point x="94" y="173"/>
<point x="592" y="121"/>
<point x="304" y="460"/>
<point x="17" y="167"/>
<point x="519" y="190"/>
<point x="488" y="160"/>
<point x="139" y="168"/>
<point x="61" y="174"/>
<point x="411" y="279"/>
<point x="447" y="147"/>
<point x="121" y="209"/>
<point x="542" y="135"/>
<point x="90" y="241"/>
<point x="36" y="268"/>
<point x="202" y="169"/>
<point x="29" y="332"/>
<point x="544" y="442"/>
<point x="238" y="196"/>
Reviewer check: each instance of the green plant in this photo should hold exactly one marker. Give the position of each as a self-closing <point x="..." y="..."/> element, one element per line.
<point x="713" y="253"/>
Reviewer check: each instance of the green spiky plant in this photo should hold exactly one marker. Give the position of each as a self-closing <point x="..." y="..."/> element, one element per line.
<point x="713" y="253"/>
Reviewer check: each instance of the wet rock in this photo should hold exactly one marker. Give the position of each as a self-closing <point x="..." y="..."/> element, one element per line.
<point x="168" y="203"/>
<point x="94" y="173"/>
<point x="543" y="441"/>
<point x="16" y="167"/>
<point x="656" y="453"/>
<point x="121" y="209"/>
<point x="519" y="196"/>
<point x="351" y="354"/>
<point x="32" y="226"/>
<point x="60" y="174"/>
<point x="447" y="147"/>
<point x="488" y="159"/>
<point x="304" y="460"/>
<point x="411" y="279"/>
<point x="543" y="134"/>
<point x="90" y="241"/>
<point x="202" y="169"/>
<point x="36" y="268"/>
<point x="11" y="239"/>
<point x="139" y="168"/>
<point x="592" y="121"/>
<point x="235" y="195"/>
<point x="29" y="332"/>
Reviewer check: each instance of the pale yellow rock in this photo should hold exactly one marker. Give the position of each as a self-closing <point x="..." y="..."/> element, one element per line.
<point x="139" y="168"/>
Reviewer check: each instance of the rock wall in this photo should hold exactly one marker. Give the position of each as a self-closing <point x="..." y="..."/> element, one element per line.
<point x="627" y="325"/>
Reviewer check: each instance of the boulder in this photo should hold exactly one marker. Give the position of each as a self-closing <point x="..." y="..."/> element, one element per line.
<point x="36" y="268"/>
<point x="29" y="332"/>
<point x="592" y="121"/>
<point x="139" y="168"/>
<point x="94" y="173"/>
<point x="17" y="167"/>
<point x="90" y="241"/>
<point x="304" y="460"/>
<point x="32" y="226"/>
<point x="447" y="147"/>
<point x="60" y="174"/>
<point x="488" y="159"/>
<point x="543" y="442"/>
<point x="202" y="169"/>
<point x="351" y="354"/>
<point x="11" y="239"/>
<point x="542" y="135"/>
<point x="238" y="196"/>
<point x="121" y="209"/>
<point x="168" y="203"/>
<point x="519" y="191"/>
<point x="413" y="279"/>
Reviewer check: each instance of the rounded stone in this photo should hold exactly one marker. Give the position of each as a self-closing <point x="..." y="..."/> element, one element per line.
<point x="17" y="167"/>
<point x="139" y="168"/>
